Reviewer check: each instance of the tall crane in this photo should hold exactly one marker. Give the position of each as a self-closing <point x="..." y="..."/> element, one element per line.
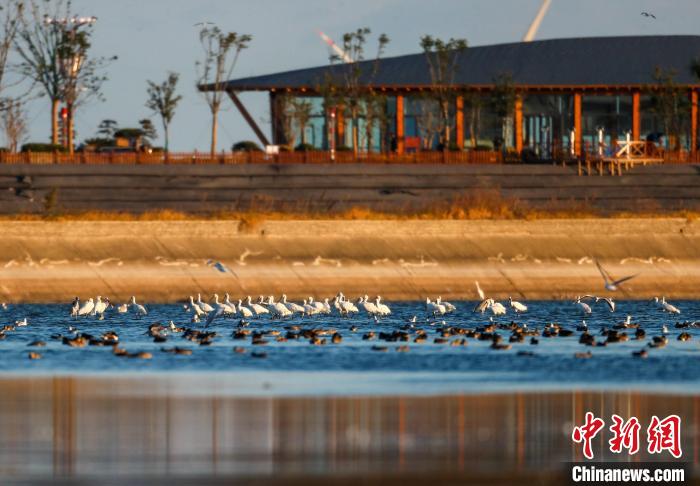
<point x="535" y="26"/>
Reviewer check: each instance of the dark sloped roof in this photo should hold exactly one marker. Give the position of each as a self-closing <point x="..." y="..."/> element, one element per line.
<point x="593" y="61"/>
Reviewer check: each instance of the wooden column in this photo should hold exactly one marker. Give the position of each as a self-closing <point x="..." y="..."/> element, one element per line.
<point x="578" y="126"/>
<point x="693" y="121"/>
<point x="518" y="124"/>
<point x="459" y="123"/>
<point x="340" y="126"/>
<point x="400" y="135"/>
<point x="636" y="116"/>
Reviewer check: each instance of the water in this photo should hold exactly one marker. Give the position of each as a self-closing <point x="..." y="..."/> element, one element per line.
<point x="296" y="367"/>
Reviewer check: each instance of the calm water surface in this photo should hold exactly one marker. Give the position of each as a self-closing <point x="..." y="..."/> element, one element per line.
<point x="440" y="368"/>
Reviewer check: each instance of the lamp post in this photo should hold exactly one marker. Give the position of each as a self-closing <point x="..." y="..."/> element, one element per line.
<point x="71" y="54"/>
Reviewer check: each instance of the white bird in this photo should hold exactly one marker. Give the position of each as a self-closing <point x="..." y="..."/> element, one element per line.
<point x="295" y="308"/>
<point x="100" y="306"/>
<point x="497" y="308"/>
<point x="245" y="312"/>
<point x="86" y="308"/>
<point x="318" y="305"/>
<point x="664" y="330"/>
<point x="140" y="310"/>
<point x="368" y="307"/>
<point x="448" y="307"/>
<point x="195" y="308"/>
<point x="608" y="301"/>
<point x="518" y="307"/>
<point x="670" y="308"/>
<point x="203" y="305"/>
<point x="21" y="323"/>
<point x="218" y="310"/>
<point x="123" y="309"/>
<point x="346" y="307"/>
<point x="611" y="284"/>
<point x="582" y="306"/>
<point x="3" y="306"/>
<point x="278" y="308"/>
<point x="382" y="309"/>
<point x="256" y="308"/>
<point x="230" y="306"/>
<point x="480" y="292"/>
<point x="326" y="307"/>
<point x="309" y="310"/>
<point x="434" y="308"/>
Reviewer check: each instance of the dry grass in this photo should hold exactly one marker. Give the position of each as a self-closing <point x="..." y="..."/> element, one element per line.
<point x="480" y="206"/>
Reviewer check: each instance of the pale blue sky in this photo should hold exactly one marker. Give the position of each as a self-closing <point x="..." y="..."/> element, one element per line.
<point x="152" y="37"/>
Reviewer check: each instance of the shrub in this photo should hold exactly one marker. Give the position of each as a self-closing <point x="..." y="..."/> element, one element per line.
<point x="304" y="147"/>
<point x="246" y="146"/>
<point x="43" y="147"/>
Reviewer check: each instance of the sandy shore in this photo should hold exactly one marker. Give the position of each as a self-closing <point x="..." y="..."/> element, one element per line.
<point x="167" y="260"/>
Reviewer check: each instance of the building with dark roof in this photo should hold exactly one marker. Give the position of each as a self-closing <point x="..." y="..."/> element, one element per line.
<point x="569" y="94"/>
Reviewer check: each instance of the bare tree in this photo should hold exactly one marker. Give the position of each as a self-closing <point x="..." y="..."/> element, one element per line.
<point x="356" y="79"/>
<point x="443" y="59"/>
<point x="14" y="124"/>
<point x="427" y="120"/>
<point x="54" y="47"/>
<point x="221" y="52"/>
<point x="10" y="21"/>
<point x="163" y="101"/>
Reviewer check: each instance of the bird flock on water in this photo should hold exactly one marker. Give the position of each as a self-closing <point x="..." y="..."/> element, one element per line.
<point x="242" y="311"/>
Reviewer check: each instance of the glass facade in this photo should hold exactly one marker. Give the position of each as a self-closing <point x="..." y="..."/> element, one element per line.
<point x="547" y="124"/>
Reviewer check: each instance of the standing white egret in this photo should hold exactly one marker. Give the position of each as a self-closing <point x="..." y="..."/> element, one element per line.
<point x="670" y="308"/>
<point x="195" y="308"/>
<point x="256" y="308"/>
<point x="230" y="306"/>
<point x="382" y="309"/>
<point x="203" y="305"/>
<point x="295" y="308"/>
<point x="100" y="306"/>
<point x="497" y="308"/>
<point x="448" y="307"/>
<point x="518" y="307"/>
<point x="245" y="312"/>
<point x="86" y="308"/>
<point x="138" y="308"/>
<point x="434" y="308"/>
<point x="219" y="309"/>
<point x="278" y="308"/>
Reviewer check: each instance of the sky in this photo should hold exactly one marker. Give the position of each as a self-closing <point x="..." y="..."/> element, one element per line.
<point x="153" y="37"/>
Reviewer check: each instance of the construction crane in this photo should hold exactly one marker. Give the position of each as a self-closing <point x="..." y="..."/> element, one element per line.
<point x="535" y="26"/>
<point x="335" y="48"/>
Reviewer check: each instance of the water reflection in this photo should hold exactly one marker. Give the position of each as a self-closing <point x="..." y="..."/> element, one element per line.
<point x="88" y="426"/>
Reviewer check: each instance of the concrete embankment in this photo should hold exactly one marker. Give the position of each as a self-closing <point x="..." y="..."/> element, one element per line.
<point x="167" y="260"/>
<point x="337" y="187"/>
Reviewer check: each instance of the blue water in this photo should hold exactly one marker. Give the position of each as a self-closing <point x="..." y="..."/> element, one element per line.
<point x="553" y="365"/>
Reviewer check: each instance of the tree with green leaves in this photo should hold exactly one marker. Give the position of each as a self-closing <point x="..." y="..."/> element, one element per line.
<point x="54" y="48"/>
<point x="443" y="60"/>
<point x="502" y="101"/>
<point x="357" y="76"/>
<point x="163" y="100"/>
<point x="669" y="101"/>
<point x="221" y="51"/>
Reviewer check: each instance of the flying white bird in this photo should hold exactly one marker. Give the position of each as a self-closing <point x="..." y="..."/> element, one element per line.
<point x="611" y="284"/>
<point x="582" y="306"/>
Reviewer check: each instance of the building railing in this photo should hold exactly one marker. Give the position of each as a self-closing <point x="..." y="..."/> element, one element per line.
<point x="310" y="157"/>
